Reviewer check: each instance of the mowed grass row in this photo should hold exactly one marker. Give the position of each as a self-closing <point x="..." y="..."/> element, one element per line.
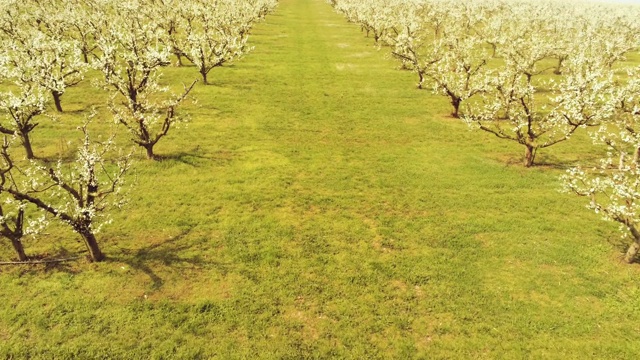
<point x="319" y="206"/>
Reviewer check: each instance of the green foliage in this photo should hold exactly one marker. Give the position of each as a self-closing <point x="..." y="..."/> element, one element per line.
<point x="319" y="206"/>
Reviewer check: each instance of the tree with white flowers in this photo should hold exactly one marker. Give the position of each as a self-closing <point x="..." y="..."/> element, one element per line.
<point x="443" y="50"/>
<point x="39" y="48"/>
<point x="53" y="64"/>
<point x="83" y="19"/>
<point x="171" y="19"/>
<point x="21" y="109"/>
<point x="15" y="224"/>
<point x="12" y="219"/>
<point x="80" y="194"/>
<point x="613" y="190"/>
<point x="132" y="52"/>
<point x="209" y="38"/>
<point x="541" y="115"/>
<point x="412" y="42"/>
<point x="613" y="187"/>
<point x="208" y="34"/>
<point x="460" y="73"/>
<point x="12" y="226"/>
<point x="622" y="133"/>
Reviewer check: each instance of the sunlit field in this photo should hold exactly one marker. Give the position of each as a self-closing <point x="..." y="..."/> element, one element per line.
<point x="316" y="204"/>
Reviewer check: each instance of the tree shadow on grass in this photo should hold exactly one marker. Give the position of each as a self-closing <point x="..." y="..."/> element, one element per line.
<point x="66" y="156"/>
<point x="187" y="158"/>
<point x="168" y="254"/>
<point x="554" y="162"/>
<point x="196" y="159"/>
<point x="62" y="260"/>
<point x="73" y="111"/>
<point x="548" y="161"/>
<point x="69" y="267"/>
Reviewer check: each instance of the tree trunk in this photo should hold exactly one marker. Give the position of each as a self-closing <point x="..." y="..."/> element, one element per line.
<point x="529" y="155"/>
<point x="529" y="76"/>
<point x="149" y="149"/>
<point x="85" y="56"/>
<point x="56" y="100"/>
<point x="179" y="56"/>
<point x="92" y="245"/>
<point x="558" y="70"/>
<point x="16" y="234"/>
<point x="455" y="102"/>
<point x="632" y="251"/>
<point x="203" y="72"/>
<point x="19" y="248"/>
<point x="26" y="143"/>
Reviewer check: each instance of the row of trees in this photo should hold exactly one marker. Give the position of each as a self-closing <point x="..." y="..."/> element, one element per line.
<point x="50" y="45"/>
<point x="531" y="72"/>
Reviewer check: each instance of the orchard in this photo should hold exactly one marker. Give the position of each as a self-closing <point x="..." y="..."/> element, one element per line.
<point x="287" y="179"/>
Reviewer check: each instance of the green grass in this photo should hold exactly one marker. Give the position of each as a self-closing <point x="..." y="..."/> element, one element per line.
<point x="319" y="206"/>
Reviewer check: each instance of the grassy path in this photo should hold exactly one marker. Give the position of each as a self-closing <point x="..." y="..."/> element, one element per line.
<point x="319" y="206"/>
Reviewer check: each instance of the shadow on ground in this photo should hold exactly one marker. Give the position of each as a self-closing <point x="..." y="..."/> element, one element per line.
<point x="171" y="255"/>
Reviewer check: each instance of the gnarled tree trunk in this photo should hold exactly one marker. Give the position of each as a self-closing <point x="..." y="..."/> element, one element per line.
<point x="57" y="100"/>
<point x="149" y="150"/>
<point x="15" y="234"/>
<point x="19" y="248"/>
<point x="455" y="102"/>
<point x="204" y="74"/>
<point x="633" y="249"/>
<point x="179" y="56"/>
<point x="529" y="155"/>
<point x="26" y="143"/>
<point x="631" y="253"/>
<point x="92" y="245"/>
